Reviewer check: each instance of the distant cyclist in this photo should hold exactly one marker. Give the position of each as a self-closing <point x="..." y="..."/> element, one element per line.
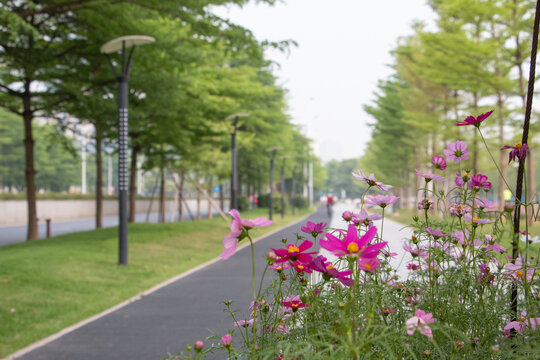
<point x="329" y="203"/>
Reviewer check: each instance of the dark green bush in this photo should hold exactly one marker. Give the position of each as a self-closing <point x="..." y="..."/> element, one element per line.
<point x="243" y="203"/>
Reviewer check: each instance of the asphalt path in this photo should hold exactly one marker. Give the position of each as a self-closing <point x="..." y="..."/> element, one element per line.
<point x="167" y="320"/>
<point x="17" y="234"/>
<point x="190" y="308"/>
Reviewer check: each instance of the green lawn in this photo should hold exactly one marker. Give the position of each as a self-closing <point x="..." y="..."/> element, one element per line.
<point x="47" y="285"/>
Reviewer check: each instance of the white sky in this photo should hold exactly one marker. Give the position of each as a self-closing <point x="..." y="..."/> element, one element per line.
<point x="343" y="50"/>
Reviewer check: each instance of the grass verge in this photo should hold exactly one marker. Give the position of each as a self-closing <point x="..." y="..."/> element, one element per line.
<point x="47" y="285"/>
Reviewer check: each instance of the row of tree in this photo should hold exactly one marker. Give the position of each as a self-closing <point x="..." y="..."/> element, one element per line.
<point x="201" y="69"/>
<point x="475" y="61"/>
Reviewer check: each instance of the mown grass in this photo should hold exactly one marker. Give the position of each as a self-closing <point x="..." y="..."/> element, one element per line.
<point x="47" y="285"/>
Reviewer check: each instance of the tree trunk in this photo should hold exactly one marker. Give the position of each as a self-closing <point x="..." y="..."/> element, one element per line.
<point x="180" y="196"/>
<point x="198" y="196"/>
<point x="162" y="194"/>
<point x="32" y="231"/>
<point x="133" y="181"/>
<point x="99" y="178"/>
<point x="222" y="197"/>
<point x="210" y="194"/>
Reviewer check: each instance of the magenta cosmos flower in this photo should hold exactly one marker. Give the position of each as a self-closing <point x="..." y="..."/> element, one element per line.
<point x="479" y="181"/>
<point x="381" y="200"/>
<point x="420" y="322"/>
<point x="518" y="151"/>
<point x="439" y="162"/>
<point x="313" y="229"/>
<point x="295" y="253"/>
<point x="294" y="305"/>
<point x="428" y="176"/>
<point x="352" y="245"/>
<point x="371" y="180"/>
<point x="457" y="151"/>
<point x="474" y="220"/>
<point x="329" y="271"/>
<point x="475" y="121"/>
<point x="522" y="323"/>
<point x="239" y="228"/>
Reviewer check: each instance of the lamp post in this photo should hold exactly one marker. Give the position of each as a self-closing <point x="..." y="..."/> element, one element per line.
<point x="122" y="44"/>
<point x="234" y="156"/>
<point x="273" y="151"/>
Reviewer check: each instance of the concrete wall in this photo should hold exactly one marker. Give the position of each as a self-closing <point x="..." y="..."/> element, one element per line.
<point x="14" y="212"/>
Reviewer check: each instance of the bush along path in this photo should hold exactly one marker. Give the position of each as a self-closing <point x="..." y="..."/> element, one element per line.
<point x="458" y="301"/>
<point x="164" y="321"/>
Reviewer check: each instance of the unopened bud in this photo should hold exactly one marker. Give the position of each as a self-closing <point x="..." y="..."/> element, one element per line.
<point x="199" y="345"/>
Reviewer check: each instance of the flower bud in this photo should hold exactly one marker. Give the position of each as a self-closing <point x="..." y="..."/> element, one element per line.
<point x="284" y="240"/>
<point x="226" y="340"/>
<point x="199" y="345"/>
<point x="347" y="215"/>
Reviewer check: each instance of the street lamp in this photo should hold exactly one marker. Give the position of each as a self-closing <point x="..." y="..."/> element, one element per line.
<point x="234" y="174"/>
<point x="273" y="150"/>
<point x="113" y="46"/>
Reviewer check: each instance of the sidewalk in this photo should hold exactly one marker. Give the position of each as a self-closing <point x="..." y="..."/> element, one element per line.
<point x="174" y="316"/>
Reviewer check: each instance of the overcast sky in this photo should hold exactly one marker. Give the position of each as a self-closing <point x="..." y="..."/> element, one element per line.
<point x="343" y="50"/>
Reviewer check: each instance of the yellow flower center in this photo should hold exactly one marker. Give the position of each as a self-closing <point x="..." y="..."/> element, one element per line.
<point x="474" y="219"/>
<point x="518" y="145"/>
<point x="300" y="267"/>
<point x="329" y="267"/>
<point x="368" y="266"/>
<point x="293" y="248"/>
<point x="295" y="305"/>
<point x="519" y="274"/>
<point x="352" y="248"/>
<point x="522" y="319"/>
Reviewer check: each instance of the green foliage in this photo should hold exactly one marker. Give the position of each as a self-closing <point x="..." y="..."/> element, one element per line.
<point x="300" y="201"/>
<point x="243" y="203"/>
<point x="340" y="178"/>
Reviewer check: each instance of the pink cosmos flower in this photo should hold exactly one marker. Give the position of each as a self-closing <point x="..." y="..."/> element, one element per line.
<point x="457" y="151"/>
<point x="352" y="245"/>
<point x="244" y="323"/>
<point x="459" y="210"/>
<point x="329" y="271"/>
<point x="363" y="218"/>
<point x="491" y="245"/>
<point x="522" y="323"/>
<point x="301" y="267"/>
<point x="415" y="251"/>
<point x="295" y="253"/>
<point x="475" y="121"/>
<point x="239" y="227"/>
<point x="479" y="181"/>
<point x="412" y="267"/>
<point x="425" y="205"/>
<point x="518" y="151"/>
<point x="437" y="233"/>
<point x="368" y="264"/>
<point x="428" y="176"/>
<point x="460" y="238"/>
<point x="420" y="322"/>
<point x="439" y="162"/>
<point x="371" y="180"/>
<point x="475" y="220"/>
<point x="226" y="340"/>
<point x="486" y="204"/>
<point x="387" y="311"/>
<point x="381" y="200"/>
<point x="520" y="270"/>
<point x="313" y="229"/>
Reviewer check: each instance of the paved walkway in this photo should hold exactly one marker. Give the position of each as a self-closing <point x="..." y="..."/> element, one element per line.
<point x="187" y="310"/>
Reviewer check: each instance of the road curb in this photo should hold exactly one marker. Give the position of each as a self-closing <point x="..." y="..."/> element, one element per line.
<point x="139" y="296"/>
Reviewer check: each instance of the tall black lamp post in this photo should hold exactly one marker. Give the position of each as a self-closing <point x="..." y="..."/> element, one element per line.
<point x="122" y="44"/>
<point x="234" y="155"/>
